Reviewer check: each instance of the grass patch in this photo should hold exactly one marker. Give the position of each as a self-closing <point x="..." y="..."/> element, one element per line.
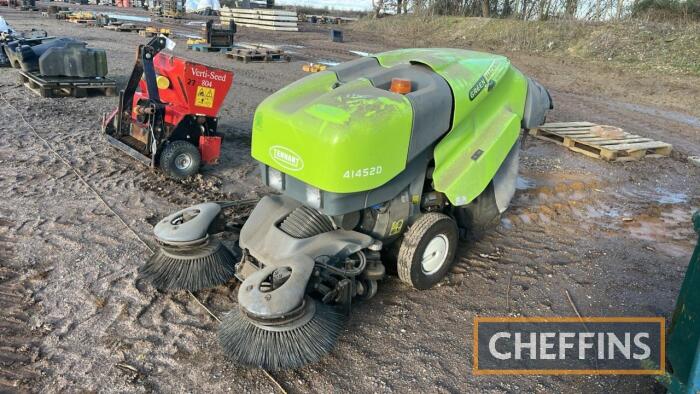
<point x="664" y="47"/>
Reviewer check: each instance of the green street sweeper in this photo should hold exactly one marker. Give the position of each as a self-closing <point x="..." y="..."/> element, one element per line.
<point x="388" y="159"/>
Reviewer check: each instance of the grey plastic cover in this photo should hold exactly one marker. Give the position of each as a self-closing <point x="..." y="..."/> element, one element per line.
<point x="73" y="60"/>
<point x="187" y="225"/>
<point x="506" y="178"/>
<point x="28" y="56"/>
<point x="261" y="237"/>
<point x="333" y="204"/>
<point x="430" y="97"/>
<point x="537" y="104"/>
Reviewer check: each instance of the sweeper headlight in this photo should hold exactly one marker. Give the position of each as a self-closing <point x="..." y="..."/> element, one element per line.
<point x="313" y="197"/>
<point x="275" y="179"/>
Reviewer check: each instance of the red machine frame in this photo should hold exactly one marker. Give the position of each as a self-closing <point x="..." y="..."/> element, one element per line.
<point x="168" y="99"/>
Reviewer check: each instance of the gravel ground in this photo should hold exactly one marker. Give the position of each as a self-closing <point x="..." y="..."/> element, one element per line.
<point x="616" y="236"/>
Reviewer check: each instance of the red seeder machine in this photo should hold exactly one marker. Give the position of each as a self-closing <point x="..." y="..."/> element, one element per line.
<point x="167" y="114"/>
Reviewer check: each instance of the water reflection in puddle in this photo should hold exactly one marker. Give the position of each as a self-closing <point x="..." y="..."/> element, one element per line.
<point x="523" y="183"/>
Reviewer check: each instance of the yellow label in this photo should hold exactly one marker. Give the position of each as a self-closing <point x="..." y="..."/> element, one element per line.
<point x="204" y="97"/>
<point x="396" y="227"/>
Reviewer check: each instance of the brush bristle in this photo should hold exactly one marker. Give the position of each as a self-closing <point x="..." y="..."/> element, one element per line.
<point x="191" y="269"/>
<point x="252" y="346"/>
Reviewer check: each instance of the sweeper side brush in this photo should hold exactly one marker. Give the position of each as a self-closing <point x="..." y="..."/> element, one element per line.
<point x="202" y="265"/>
<point x="189" y="258"/>
<point x="290" y="344"/>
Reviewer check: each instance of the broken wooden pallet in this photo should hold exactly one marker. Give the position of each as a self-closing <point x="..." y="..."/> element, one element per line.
<point x="580" y="137"/>
<point x="67" y="86"/>
<point x="248" y="55"/>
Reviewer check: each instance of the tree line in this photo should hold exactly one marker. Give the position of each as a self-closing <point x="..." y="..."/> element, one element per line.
<point x="592" y="10"/>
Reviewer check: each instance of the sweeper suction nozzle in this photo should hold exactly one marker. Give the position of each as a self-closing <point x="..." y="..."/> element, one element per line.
<point x="289" y="343"/>
<point x="189" y="258"/>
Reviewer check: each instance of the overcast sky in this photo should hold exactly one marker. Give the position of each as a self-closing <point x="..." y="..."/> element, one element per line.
<point x="337" y="4"/>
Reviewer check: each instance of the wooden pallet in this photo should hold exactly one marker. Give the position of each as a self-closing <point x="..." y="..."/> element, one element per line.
<point x="124" y="28"/>
<point x="67" y="86"/>
<point x="82" y="21"/>
<point x="208" y="48"/>
<point x="148" y="33"/>
<point x="268" y="19"/>
<point x="579" y="137"/>
<point x="248" y="55"/>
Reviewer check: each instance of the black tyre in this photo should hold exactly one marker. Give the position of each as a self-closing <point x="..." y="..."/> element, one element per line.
<point x="180" y="159"/>
<point x="368" y="289"/>
<point x="427" y="250"/>
<point x="480" y="215"/>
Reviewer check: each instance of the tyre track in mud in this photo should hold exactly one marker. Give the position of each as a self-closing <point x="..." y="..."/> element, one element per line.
<point x="110" y="285"/>
<point x="19" y="338"/>
<point x="125" y="321"/>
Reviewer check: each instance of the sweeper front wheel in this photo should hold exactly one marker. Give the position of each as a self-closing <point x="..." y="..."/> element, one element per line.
<point x="427" y="250"/>
<point x="180" y="159"/>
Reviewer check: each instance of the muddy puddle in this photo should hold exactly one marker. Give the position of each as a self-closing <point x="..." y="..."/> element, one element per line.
<point x="659" y="215"/>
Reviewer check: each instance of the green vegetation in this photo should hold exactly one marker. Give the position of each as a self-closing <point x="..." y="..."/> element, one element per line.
<point x="661" y="46"/>
<point x="590" y="10"/>
<point x="668" y="10"/>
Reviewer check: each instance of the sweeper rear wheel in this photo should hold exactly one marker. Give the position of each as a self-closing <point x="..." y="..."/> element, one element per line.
<point x="427" y="250"/>
<point x="479" y="216"/>
<point x="180" y="159"/>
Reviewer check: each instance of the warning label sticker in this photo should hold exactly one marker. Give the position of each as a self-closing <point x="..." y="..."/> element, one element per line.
<point x="204" y="97"/>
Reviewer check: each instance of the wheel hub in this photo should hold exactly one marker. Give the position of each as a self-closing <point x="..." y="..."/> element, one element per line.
<point x="435" y="254"/>
<point x="183" y="161"/>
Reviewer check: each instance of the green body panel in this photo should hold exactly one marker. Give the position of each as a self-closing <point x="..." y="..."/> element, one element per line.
<point x="683" y="345"/>
<point x="489" y="101"/>
<point x="351" y="138"/>
<point x="355" y="137"/>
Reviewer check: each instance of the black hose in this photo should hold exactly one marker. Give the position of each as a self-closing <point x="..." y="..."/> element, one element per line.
<point x="346" y="272"/>
<point x="305" y="222"/>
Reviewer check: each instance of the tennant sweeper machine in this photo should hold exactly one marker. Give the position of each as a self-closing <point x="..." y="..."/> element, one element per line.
<point x="167" y="114"/>
<point x="388" y="159"/>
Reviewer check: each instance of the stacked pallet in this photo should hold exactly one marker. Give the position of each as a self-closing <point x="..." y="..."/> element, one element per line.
<point x="602" y="142"/>
<point x="66" y="86"/>
<point x="173" y="9"/>
<point x="246" y="54"/>
<point x="278" y="20"/>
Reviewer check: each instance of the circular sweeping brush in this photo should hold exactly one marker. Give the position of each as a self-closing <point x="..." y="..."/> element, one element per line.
<point x="279" y="345"/>
<point x="196" y="266"/>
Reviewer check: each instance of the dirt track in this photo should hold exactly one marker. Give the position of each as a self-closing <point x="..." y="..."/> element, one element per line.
<point x="616" y="236"/>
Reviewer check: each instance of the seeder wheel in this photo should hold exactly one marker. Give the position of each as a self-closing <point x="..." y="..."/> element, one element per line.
<point x="180" y="159"/>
